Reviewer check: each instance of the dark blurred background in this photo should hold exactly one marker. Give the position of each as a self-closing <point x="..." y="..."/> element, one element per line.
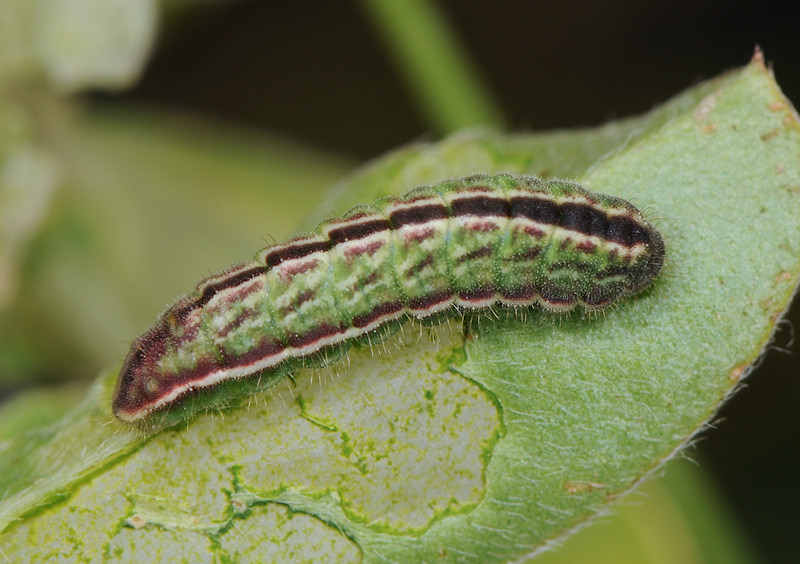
<point x="317" y="71"/>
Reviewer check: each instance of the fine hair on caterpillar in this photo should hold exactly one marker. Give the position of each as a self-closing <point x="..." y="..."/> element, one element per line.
<point x="475" y="243"/>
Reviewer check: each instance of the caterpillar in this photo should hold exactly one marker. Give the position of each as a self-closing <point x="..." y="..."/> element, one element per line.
<point x="472" y="243"/>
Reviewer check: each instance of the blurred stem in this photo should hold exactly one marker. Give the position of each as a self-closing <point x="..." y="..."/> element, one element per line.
<point x="427" y="53"/>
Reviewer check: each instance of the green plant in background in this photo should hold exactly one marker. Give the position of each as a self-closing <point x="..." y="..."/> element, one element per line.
<point x="488" y="441"/>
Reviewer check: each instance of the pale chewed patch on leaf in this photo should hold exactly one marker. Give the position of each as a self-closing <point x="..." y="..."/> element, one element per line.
<point x="397" y="462"/>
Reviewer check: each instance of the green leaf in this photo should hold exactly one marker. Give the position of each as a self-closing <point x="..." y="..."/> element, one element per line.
<point x="488" y="440"/>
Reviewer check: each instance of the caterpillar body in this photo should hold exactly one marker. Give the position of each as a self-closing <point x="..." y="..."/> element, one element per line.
<point x="471" y="242"/>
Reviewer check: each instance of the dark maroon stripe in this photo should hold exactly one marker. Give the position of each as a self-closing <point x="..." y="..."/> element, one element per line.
<point x="358" y="230"/>
<point x="266" y="348"/>
<point x="476" y="294"/>
<point x="597" y="301"/>
<point x="483" y="252"/>
<point x="528" y="255"/>
<point x="429" y="301"/>
<point x="241" y="318"/>
<point x="565" y="244"/>
<point x="309" y="338"/>
<point x="540" y="210"/>
<point x="534" y="231"/>
<point x="420" y="266"/>
<point x="417" y="214"/>
<point x="625" y="231"/>
<point x="419" y="235"/>
<point x="365" y="319"/>
<point x="171" y="381"/>
<point x="359" y="249"/>
<point x="295" y="251"/>
<point x="135" y="360"/>
<point x="235" y="280"/>
<point x="481" y="206"/>
<point x="601" y="297"/>
<point x="302" y="298"/>
<point x="519" y="294"/>
<point x="557" y="299"/>
<point x="583" y="219"/>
